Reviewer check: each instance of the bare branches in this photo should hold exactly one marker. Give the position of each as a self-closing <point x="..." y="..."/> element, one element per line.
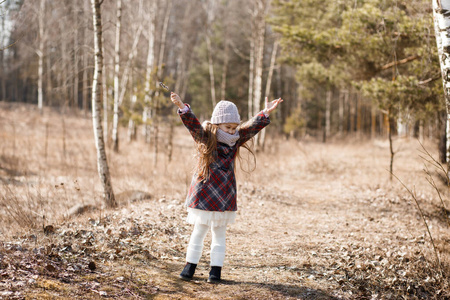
<point x="431" y="181"/>
<point x="11" y="45"/>
<point x="414" y="196"/>
<point x="399" y="62"/>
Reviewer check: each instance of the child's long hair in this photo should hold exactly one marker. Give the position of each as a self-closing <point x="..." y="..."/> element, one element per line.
<point x="207" y="152"/>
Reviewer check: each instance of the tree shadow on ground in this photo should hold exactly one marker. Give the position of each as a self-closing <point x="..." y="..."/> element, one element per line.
<point x="285" y="289"/>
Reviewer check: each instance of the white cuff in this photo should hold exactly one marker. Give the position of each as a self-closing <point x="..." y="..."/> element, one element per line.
<point x="184" y="110"/>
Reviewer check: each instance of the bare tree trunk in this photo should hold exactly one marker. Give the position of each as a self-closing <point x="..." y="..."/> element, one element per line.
<point x="261" y="30"/>
<point x="128" y="70"/>
<point x="268" y="84"/>
<point x="352" y="115"/>
<point x="159" y="73"/>
<point x="85" y="67"/>
<point x="115" y="129"/>
<point x="328" y="114"/>
<point x="223" y="84"/>
<point x="105" y="95"/>
<point x="40" y="54"/>
<point x="359" y="114"/>
<point x="251" y="77"/>
<point x="442" y="32"/>
<point x="373" y="123"/>
<point x="49" y="88"/>
<point x="102" y="162"/>
<point x="75" y="60"/>
<point x="148" y="75"/>
<point x="163" y="38"/>
<point x="211" y="71"/>
<point x="421" y="131"/>
<point x="64" y="73"/>
<point x="186" y="43"/>
<point x="210" y="10"/>
<point x="341" y="112"/>
<point x="3" y="63"/>
<point x="391" y="147"/>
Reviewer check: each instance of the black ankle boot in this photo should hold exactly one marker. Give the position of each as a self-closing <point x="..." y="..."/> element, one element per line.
<point x="188" y="271"/>
<point x="214" y="275"/>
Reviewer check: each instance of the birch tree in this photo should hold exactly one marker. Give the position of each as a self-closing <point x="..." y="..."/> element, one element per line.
<point x="149" y="69"/>
<point x="115" y="129"/>
<point x="102" y="162"/>
<point x="209" y="7"/>
<point x="441" y="10"/>
<point x="259" y="15"/>
<point x="40" y="53"/>
<point x="268" y="84"/>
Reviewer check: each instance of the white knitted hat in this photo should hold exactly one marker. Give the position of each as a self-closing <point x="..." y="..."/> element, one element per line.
<point x="225" y="112"/>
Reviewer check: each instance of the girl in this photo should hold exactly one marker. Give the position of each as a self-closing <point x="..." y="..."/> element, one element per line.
<point x="211" y="199"/>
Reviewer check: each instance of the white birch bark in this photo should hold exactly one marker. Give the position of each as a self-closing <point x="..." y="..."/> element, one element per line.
<point x="75" y="59"/>
<point x="210" y="10"/>
<point x="128" y="74"/>
<point x="40" y="53"/>
<point x="186" y="43"/>
<point x="223" y="84"/>
<point x="441" y="14"/>
<point x="115" y="129"/>
<point x="85" y="66"/>
<point x="102" y="162"/>
<point x="127" y="70"/>
<point x="159" y="73"/>
<point x="105" y="95"/>
<point x="268" y="84"/>
<point x="149" y="70"/>
<point x="260" y="10"/>
<point x="211" y="71"/>
<point x="251" y="73"/>
<point x="163" y="39"/>
<point x="261" y="30"/>
<point x="65" y="92"/>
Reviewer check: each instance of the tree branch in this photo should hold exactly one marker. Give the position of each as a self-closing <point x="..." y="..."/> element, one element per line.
<point x="399" y="62"/>
<point x="10" y="45"/>
<point x="429" y="80"/>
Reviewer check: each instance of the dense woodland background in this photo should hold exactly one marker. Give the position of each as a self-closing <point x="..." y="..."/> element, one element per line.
<point x="343" y="67"/>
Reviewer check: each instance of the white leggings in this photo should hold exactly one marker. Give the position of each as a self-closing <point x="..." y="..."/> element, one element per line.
<point x="194" y="250"/>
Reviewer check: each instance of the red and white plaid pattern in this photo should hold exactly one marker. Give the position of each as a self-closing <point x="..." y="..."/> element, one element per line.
<point x="218" y="193"/>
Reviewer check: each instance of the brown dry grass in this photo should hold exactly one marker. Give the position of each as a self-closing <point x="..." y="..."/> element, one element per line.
<point x="315" y="221"/>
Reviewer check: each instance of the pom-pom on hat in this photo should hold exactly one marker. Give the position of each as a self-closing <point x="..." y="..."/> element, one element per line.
<point x="225" y="112"/>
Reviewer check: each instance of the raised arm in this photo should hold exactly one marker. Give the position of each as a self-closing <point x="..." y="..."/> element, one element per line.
<point x="189" y="119"/>
<point x="258" y="122"/>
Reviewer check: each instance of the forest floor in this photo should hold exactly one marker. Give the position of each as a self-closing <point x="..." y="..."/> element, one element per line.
<point x="315" y="220"/>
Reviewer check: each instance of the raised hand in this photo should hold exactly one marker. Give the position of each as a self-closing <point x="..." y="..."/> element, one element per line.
<point x="176" y="100"/>
<point x="270" y="106"/>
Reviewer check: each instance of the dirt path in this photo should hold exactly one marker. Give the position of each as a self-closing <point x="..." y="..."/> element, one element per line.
<point x="315" y="221"/>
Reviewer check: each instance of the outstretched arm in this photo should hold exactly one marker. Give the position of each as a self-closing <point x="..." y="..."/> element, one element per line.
<point x="269" y="107"/>
<point x="258" y="122"/>
<point x="177" y="100"/>
<point x="189" y="119"/>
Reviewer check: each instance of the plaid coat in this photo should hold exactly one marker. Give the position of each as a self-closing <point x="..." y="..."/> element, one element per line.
<point x="219" y="193"/>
